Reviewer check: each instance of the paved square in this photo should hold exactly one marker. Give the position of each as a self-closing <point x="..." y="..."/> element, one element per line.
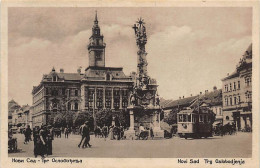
<point x="230" y="146"/>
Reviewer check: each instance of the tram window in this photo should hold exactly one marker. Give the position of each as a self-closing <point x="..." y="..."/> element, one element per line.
<point x="201" y="119"/>
<point x="205" y="119"/>
<point x="184" y="118"/>
<point x="180" y="118"/>
<point x="189" y="117"/>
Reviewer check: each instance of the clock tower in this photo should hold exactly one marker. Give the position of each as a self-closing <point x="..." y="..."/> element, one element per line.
<point x="96" y="47"/>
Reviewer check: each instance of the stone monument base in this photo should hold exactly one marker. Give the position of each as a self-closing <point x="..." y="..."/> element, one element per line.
<point x="130" y="134"/>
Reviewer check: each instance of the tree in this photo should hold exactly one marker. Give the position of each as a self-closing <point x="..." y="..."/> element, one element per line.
<point x="123" y="118"/>
<point x="104" y="117"/>
<point x="171" y="118"/>
<point x="62" y="119"/>
<point x="81" y="117"/>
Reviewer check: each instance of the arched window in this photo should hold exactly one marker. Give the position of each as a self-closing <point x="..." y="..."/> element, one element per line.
<point x="76" y="106"/>
<point x="108" y="77"/>
<point x="54" y="78"/>
<point x="69" y="106"/>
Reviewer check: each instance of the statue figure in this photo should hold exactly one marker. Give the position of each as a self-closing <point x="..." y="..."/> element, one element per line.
<point x="157" y="100"/>
<point x="133" y="99"/>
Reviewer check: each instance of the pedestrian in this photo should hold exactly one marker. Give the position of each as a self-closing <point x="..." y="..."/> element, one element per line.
<point x="66" y="132"/>
<point x="104" y="131"/>
<point x="151" y="132"/>
<point x="37" y="142"/>
<point x="43" y="136"/>
<point x="111" y="133"/>
<point x="85" y="136"/>
<point x="49" y="139"/>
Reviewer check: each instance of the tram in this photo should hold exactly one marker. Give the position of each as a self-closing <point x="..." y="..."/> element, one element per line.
<point x="195" y="123"/>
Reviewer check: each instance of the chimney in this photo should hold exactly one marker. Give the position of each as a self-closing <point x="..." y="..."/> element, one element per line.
<point x="200" y="92"/>
<point x="190" y="95"/>
<point x="183" y="97"/>
<point x="61" y="70"/>
<point x="227" y="74"/>
<point x="179" y="97"/>
<point x="215" y="88"/>
<point x="206" y="91"/>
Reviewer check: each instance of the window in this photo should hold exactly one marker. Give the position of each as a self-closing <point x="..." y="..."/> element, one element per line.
<point x="230" y="102"/>
<point x="230" y="85"/>
<point x="238" y="97"/>
<point x="69" y="106"/>
<point x="76" y="92"/>
<point x="235" y="86"/>
<point x="248" y="96"/>
<point x="227" y="117"/>
<point x="220" y="111"/>
<point x="201" y="118"/>
<point x="238" y="84"/>
<point x="180" y="118"/>
<point x="124" y="103"/>
<point x="235" y="100"/>
<point x="248" y="81"/>
<point x="68" y="92"/>
<point x="76" y="106"/>
<point x="189" y="117"/>
<point x="54" y="78"/>
<point x="97" y="42"/>
<point x="108" y="77"/>
<point x="226" y="101"/>
<point x="184" y="118"/>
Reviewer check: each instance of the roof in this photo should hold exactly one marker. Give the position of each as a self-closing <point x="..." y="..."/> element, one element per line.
<point x="211" y="98"/>
<point x="233" y="75"/>
<point x="70" y="76"/>
<point x="180" y="102"/>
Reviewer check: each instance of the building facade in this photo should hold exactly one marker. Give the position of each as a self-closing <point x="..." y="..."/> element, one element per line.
<point x="99" y="87"/>
<point x="237" y="93"/>
<point x="12" y="106"/>
<point x="21" y="118"/>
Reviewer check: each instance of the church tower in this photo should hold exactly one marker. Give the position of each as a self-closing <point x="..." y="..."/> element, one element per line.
<point x="96" y="47"/>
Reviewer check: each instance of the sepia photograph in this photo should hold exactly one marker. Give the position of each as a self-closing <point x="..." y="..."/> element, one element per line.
<point x="131" y="82"/>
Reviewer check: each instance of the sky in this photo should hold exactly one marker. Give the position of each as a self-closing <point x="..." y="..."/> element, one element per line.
<point x="190" y="49"/>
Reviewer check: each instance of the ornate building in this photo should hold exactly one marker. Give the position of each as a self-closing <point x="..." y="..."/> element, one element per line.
<point x="237" y="93"/>
<point x="99" y="87"/>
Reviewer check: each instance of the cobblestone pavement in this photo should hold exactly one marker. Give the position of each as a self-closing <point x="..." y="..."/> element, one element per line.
<point x="230" y="146"/>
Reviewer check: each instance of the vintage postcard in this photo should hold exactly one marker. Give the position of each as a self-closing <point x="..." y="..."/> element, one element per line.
<point x="130" y="84"/>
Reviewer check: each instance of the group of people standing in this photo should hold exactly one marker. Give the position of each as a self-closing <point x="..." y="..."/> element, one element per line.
<point x="43" y="138"/>
<point x="116" y="132"/>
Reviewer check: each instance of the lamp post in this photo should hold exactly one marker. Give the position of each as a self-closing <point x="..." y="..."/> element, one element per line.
<point x="94" y="115"/>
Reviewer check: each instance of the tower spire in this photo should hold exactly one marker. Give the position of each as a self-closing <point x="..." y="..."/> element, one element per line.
<point x="96" y="19"/>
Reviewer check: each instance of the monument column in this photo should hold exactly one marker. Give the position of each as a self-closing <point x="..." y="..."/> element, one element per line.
<point x="131" y="113"/>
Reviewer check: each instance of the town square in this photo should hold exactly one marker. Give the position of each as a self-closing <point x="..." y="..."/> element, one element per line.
<point x="95" y="84"/>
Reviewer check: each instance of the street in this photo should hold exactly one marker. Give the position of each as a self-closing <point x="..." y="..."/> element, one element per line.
<point x="229" y="146"/>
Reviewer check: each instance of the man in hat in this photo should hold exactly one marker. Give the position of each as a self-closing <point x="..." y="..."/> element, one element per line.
<point x="85" y="136"/>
